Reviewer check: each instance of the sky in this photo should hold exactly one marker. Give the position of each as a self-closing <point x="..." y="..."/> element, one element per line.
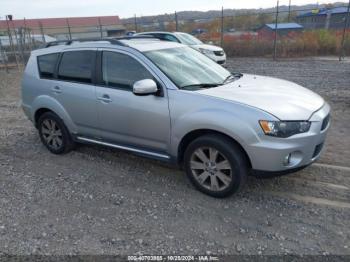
<point x="73" y="8"/>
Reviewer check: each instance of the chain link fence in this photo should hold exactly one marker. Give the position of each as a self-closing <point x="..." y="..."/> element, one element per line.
<point x="281" y="32"/>
<point x="16" y="42"/>
<point x="300" y="32"/>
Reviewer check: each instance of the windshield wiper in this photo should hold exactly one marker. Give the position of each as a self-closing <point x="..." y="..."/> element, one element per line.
<point x="202" y="85"/>
<point x="232" y="76"/>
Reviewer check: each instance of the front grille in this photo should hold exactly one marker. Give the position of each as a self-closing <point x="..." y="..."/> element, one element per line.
<point x="325" y="122"/>
<point x="219" y="53"/>
<point x="221" y="62"/>
<point x="317" y="150"/>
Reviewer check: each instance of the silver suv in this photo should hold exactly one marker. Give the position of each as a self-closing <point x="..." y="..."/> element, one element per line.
<point x="167" y="101"/>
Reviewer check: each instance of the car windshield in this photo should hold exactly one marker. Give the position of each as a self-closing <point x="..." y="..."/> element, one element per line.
<point x="188" y="68"/>
<point x="188" y="39"/>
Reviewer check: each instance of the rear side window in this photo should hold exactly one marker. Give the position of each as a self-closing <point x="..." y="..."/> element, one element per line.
<point x="122" y="71"/>
<point x="77" y="66"/>
<point x="47" y="64"/>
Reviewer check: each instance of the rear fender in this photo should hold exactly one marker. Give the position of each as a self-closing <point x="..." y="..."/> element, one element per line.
<point x="52" y="104"/>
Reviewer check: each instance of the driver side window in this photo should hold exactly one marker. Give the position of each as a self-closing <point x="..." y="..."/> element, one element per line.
<point x="122" y="71"/>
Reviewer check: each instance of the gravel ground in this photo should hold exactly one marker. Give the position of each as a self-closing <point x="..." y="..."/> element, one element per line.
<point x="100" y="201"/>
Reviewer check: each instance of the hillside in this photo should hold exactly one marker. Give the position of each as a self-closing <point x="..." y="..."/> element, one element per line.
<point x="194" y="15"/>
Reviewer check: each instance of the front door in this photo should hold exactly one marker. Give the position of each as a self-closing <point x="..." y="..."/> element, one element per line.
<point x="125" y="118"/>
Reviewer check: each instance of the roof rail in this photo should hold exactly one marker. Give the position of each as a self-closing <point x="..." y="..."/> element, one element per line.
<point x="69" y="42"/>
<point x="113" y="41"/>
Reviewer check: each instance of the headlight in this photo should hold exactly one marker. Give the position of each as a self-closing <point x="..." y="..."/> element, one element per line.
<point x="284" y="128"/>
<point x="206" y="51"/>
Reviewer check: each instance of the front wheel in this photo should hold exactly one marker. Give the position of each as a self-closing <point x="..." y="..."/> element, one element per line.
<point x="215" y="165"/>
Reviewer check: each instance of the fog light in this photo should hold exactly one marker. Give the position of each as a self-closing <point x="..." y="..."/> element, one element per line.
<point x="286" y="160"/>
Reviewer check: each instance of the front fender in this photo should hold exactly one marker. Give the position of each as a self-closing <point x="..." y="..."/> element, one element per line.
<point x="217" y="120"/>
<point x="45" y="101"/>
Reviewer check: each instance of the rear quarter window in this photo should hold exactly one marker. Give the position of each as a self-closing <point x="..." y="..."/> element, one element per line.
<point x="47" y="64"/>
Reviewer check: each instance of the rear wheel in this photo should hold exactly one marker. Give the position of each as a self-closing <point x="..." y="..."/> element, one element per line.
<point x="215" y="165"/>
<point x="54" y="134"/>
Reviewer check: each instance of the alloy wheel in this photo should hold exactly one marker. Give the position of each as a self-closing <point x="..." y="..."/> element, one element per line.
<point x="211" y="168"/>
<point x="52" y="134"/>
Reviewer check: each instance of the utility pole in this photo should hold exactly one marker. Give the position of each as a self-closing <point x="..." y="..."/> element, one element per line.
<point x="42" y="32"/>
<point x="346" y="24"/>
<point x="275" y="40"/>
<point x="69" y="32"/>
<point x="135" y="22"/>
<point x="222" y="26"/>
<point x="289" y="10"/>
<point x="100" y="25"/>
<point x="176" y="23"/>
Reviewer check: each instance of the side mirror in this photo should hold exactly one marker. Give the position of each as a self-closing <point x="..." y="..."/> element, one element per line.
<point x="145" y="87"/>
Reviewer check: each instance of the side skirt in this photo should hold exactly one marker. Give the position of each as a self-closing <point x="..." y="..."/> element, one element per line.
<point x="141" y="152"/>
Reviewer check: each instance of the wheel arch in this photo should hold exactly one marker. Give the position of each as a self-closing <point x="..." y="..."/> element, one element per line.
<point x="38" y="113"/>
<point x="43" y="104"/>
<point x="192" y="135"/>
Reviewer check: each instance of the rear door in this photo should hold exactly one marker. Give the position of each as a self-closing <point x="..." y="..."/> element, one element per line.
<point x="74" y="89"/>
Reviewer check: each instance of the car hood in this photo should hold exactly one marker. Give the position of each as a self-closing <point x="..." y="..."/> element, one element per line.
<point x="207" y="47"/>
<point x="283" y="99"/>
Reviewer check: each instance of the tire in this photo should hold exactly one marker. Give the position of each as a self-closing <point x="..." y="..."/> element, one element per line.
<point x="221" y="171"/>
<point x="54" y="134"/>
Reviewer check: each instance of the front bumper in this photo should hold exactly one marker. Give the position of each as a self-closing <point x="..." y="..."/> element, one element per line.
<point x="270" y="174"/>
<point x="270" y="153"/>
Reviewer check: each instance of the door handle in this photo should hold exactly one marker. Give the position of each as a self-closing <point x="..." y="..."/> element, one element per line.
<point x="56" y="90"/>
<point x="105" y="98"/>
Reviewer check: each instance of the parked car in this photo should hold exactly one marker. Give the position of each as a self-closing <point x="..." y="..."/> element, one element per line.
<point x="215" y="53"/>
<point x="130" y="33"/>
<point x="166" y="101"/>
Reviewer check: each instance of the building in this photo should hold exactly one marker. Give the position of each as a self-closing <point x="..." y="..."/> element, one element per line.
<point x="62" y="28"/>
<point x="333" y="18"/>
<point x="241" y="33"/>
<point x="283" y="29"/>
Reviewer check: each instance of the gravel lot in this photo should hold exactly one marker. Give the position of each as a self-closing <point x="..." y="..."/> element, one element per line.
<point x="100" y="201"/>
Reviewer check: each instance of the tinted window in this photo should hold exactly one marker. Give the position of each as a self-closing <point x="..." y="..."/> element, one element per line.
<point x="47" y="65"/>
<point x="170" y="38"/>
<point x="122" y="71"/>
<point x="77" y="66"/>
